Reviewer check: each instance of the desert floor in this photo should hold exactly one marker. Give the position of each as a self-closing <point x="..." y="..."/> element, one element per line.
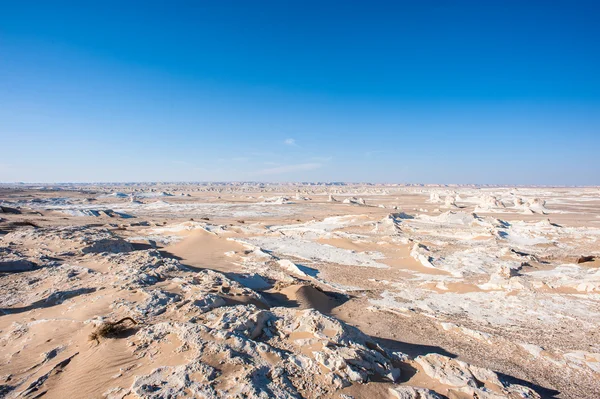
<point x="289" y="291"/>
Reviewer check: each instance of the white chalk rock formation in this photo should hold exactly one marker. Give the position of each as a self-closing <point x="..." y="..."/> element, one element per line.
<point x="489" y="203"/>
<point x="434" y="198"/>
<point x="421" y="253"/>
<point x="408" y="392"/>
<point x="83" y="239"/>
<point x="465" y="378"/>
<point x="450" y="202"/>
<point x="536" y="205"/>
<point x="355" y="201"/>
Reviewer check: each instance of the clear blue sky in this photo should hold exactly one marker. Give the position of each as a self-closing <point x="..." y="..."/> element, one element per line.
<point x="503" y="92"/>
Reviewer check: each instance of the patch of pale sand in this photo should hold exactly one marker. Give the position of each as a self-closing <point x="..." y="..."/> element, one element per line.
<point x="98" y="265"/>
<point x="23" y="356"/>
<point x="346" y="243"/>
<point x="61" y="327"/>
<point x="99" y="303"/>
<point x="397" y="256"/>
<point x="482" y="238"/>
<point x="411" y="264"/>
<point x="301" y="335"/>
<point x="592" y="264"/>
<point x="206" y="250"/>
<point x="453" y="287"/>
<point x="79" y="308"/>
<point x="536" y="266"/>
<point x="372" y="390"/>
<point x="112" y="363"/>
<point x="272" y="357"/>
<point x="173" y="287"/>
<point x="307" y="342"/>
<point x="92" y="371"/>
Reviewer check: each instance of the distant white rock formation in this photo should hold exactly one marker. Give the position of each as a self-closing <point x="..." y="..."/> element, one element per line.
<point x="355" y="201"/>
<point x="434" y="198"/>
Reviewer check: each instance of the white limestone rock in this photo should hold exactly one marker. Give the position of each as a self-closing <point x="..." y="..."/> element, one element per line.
<point x="408" y="392"/>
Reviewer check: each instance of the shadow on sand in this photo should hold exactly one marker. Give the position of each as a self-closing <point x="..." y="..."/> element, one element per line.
<point x="53" y="299"/>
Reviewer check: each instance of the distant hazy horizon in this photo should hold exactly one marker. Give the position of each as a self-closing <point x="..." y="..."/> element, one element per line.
<point x="465" y="92"/>
<point x="282" y="183"/>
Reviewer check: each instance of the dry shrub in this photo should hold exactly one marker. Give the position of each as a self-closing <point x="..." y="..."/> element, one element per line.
<point x="111" y="329"/>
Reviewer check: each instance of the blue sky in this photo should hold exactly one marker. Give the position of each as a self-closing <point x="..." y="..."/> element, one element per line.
<point x="499" y="92"/>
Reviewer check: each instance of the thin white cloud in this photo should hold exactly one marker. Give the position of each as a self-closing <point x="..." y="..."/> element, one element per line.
<point x="262" y="154"/>
<point x="370" y="154"/>
<point x="291" y="142"/>
<point x="289" y="168"/>
<point x="233" y="159"/>
<point x="184" y="163"/>
<point x="321" y="159"/>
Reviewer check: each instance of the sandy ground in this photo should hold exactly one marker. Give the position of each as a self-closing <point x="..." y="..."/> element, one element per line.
<point x="360" y="291"/>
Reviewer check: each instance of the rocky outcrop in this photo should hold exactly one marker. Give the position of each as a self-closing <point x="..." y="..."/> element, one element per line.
<point x="6" y="209"/>
<point x="343" y="350"/>
<point x="141" y="268"/>
<point x="83" y="239"/>
<point x="13" y="261"/>
<point x="469" y="379"/>
<point x="355" y="201"/>
<point x="408" y="392"/>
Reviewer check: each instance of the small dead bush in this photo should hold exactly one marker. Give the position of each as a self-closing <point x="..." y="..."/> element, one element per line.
<point x="110" y="329"/>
